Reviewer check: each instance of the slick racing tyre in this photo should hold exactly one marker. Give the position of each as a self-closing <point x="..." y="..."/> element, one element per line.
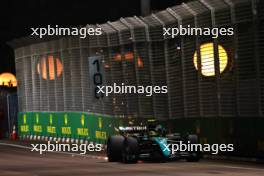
<point x="114" y="148"/>
<point x="130" y="150"/>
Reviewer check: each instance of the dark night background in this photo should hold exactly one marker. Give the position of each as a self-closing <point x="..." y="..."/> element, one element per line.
<point x="18" y="16"/>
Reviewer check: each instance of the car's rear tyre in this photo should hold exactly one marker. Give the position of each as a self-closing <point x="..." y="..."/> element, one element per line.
<point x="194" y="156"/>
<point x="114" y="148"/>
<point x="130" y="150"/>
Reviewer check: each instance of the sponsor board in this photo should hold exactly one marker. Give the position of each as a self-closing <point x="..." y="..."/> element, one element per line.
<point x="76" y="125"/>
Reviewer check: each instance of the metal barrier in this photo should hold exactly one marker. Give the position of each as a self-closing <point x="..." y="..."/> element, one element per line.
<point x="8" y="113"/>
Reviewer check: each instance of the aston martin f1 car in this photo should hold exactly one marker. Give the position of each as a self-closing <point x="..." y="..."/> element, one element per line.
<point x="150" y="142"/>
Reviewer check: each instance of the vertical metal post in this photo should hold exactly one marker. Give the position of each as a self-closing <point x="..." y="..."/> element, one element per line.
<point x="63" y="74"/>
<point x="256" y="51"/>
<point x="216" y="59"/>
<point x="25" y="104"/>
<point x="145" y="7"/>
<point x="199" y="62"/>
<point x="179" y="19"/>
<point x="166" y="67"/>
<point x="150" y="61"/>
<point x="8" y="114"/>
<point x="111" y="73"/>
<point x="56" y="80"/>
<point x="98" y="52"/>
<point x="48" y="78"/>
<point x="125" y="112"/>
<point x="131" y="28"/>
<point x="81" y="70"/>
<point x="235" y="44"/>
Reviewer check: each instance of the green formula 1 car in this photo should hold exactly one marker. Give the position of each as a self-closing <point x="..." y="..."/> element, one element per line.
<point x="149" y="143"/>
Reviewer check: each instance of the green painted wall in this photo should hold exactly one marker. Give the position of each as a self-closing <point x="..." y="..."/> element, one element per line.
<point x="71" y="124"/>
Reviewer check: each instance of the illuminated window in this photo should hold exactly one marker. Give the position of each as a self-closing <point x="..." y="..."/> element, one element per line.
<point x="8" y="79"/>
<point x="118" y="57"/>
<point x="41" y="67"/>
<point x="139" y="62"/>
<point x="129" y="56"/>
<point x="207" y="59"/>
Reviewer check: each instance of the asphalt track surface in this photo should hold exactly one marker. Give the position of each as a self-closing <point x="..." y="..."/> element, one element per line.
<point x="16" y="161"/>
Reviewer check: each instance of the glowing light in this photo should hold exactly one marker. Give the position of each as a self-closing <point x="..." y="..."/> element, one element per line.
<point x="42" y="68"/>
<point x="8" y="79"/>
<point x="118" y="57"/>
<point x="106" y="66"/>
<point x="207" y="59"/>
<point x="129" y="56"/>
<point x="140" y="62"/>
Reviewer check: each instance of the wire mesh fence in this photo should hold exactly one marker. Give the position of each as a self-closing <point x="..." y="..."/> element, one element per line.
<point x="57" y="75"/>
